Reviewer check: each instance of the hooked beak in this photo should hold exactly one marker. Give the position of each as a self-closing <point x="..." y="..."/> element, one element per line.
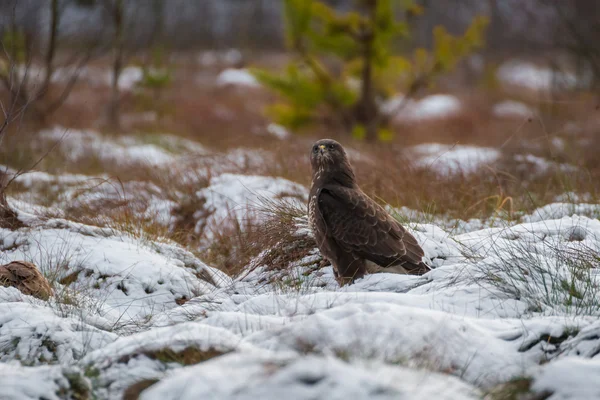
<point x="322" y="148"/>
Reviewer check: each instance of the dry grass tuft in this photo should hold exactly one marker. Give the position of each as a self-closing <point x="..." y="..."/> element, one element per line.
<point x="270" y="226"/>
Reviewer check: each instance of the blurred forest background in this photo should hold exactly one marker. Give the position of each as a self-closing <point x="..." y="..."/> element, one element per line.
<point x="511" y="84"/>
<point x="151" y="51"/>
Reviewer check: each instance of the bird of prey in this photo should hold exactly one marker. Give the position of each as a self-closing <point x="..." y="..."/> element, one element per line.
<point x="352" y="231"/>
<point x="27" y="278"/>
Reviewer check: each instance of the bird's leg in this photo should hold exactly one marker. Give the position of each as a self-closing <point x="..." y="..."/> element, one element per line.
<point x="349" y="268"/>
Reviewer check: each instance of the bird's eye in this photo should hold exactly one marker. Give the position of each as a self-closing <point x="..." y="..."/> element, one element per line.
<point x="315" y="149"/>
<point x="331" y="146"/>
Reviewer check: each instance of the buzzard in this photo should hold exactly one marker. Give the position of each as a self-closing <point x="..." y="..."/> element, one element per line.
<point x="352" y="231"/>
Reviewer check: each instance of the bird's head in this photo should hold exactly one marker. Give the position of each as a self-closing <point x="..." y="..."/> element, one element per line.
<point x="328" y="156"/>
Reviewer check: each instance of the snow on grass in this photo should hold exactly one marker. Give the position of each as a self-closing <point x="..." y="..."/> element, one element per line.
<point x="570" y="378"/>
<point x="129" y="78"/>
<point x="430" y="107"/>
<point x="129" y="280"/>
<point x="77" y="145"/>
<point x="240" y="198"/>
<point x="551" y="265"/>
<point x="35" y="335"/>
<point x="279" y="131"/>
<point x="249" y="376"/>
<point x="560" y="210"/>
<point x="150" y="150"/>
<point x="170" y="153"/>
<point x="585" y="343"/>
<point x="527" y="75"/>
<point x="482" y="352"/>
<point x="45" y="382"/>
<point x="153" y="353"/>
<point x="33" y="178"/>
<point x="176" y="338"/>
<point x="237" y="77"/>
<point x="452" y="159"/>
<point x="536" y="165"/>
<point x="512" y="109"/>
<point x="227" y="57"/>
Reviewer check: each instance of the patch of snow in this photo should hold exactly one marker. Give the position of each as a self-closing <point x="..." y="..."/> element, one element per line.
<point x="44" y="337"/>
<point x="126" y="151"/>
<point x="139" y="117"/>
<point x="241" y="158"/>
<point x="240" y="198"/>
<point x="128" y="279"/>
<point x="232" y="57"/>
<point x="114" y="362"/>
<point x="534" y="164"/>
<point x="558" y="143"/>
<point x="33" y="178"/>
<point x="533" y="77"/>
<point x="452" y="159"/>
<point x="556" y="211"/>
<point x="570" y="378"/>
<point x="430" y="107"/>
<point x="574" y="198"/>
<point x="176" y="338"/>
<point x="34" y="383"/>
<point x="237" y="77"/>
<point x="512" y="109"/>
<point x="208" y="58"/>
<point x="246" y="376"/>
<point x="279" y="131"/>
<point x="79" y="144"/>
<point x="130" y="77"/>
<point x="435" y="106"/>
<point x="483" y="352"/>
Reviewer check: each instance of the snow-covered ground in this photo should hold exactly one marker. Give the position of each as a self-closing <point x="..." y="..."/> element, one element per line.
<point x="455" y="330"/>
<point x="236" y="77"/>
<point x="136" y="315"/>
<point x="94" y="76"/>
<point x="436" y="106"/>
<point x="451" y="159"/>
<point x="512" y="109"/>
<point x="538" y="78"/>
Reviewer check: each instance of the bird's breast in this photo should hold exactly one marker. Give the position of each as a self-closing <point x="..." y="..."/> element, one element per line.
<point x="312" y="220"/>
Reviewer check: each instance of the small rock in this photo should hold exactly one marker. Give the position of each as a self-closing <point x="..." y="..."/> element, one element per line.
<point x="27" y="278"/>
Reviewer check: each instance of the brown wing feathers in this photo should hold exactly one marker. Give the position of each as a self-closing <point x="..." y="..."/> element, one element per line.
<point x="360" y="225"/>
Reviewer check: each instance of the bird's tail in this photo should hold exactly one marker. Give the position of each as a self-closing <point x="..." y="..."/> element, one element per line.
<point x="416" y="269"/>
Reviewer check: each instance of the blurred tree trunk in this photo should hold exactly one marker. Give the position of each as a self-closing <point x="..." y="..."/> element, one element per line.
<point x="496" y="32"/>
<point x="367" y="113"/>
<point x="114" y="119"/>
<point x="158" y="9"/>
<point x="51" y="51"/>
